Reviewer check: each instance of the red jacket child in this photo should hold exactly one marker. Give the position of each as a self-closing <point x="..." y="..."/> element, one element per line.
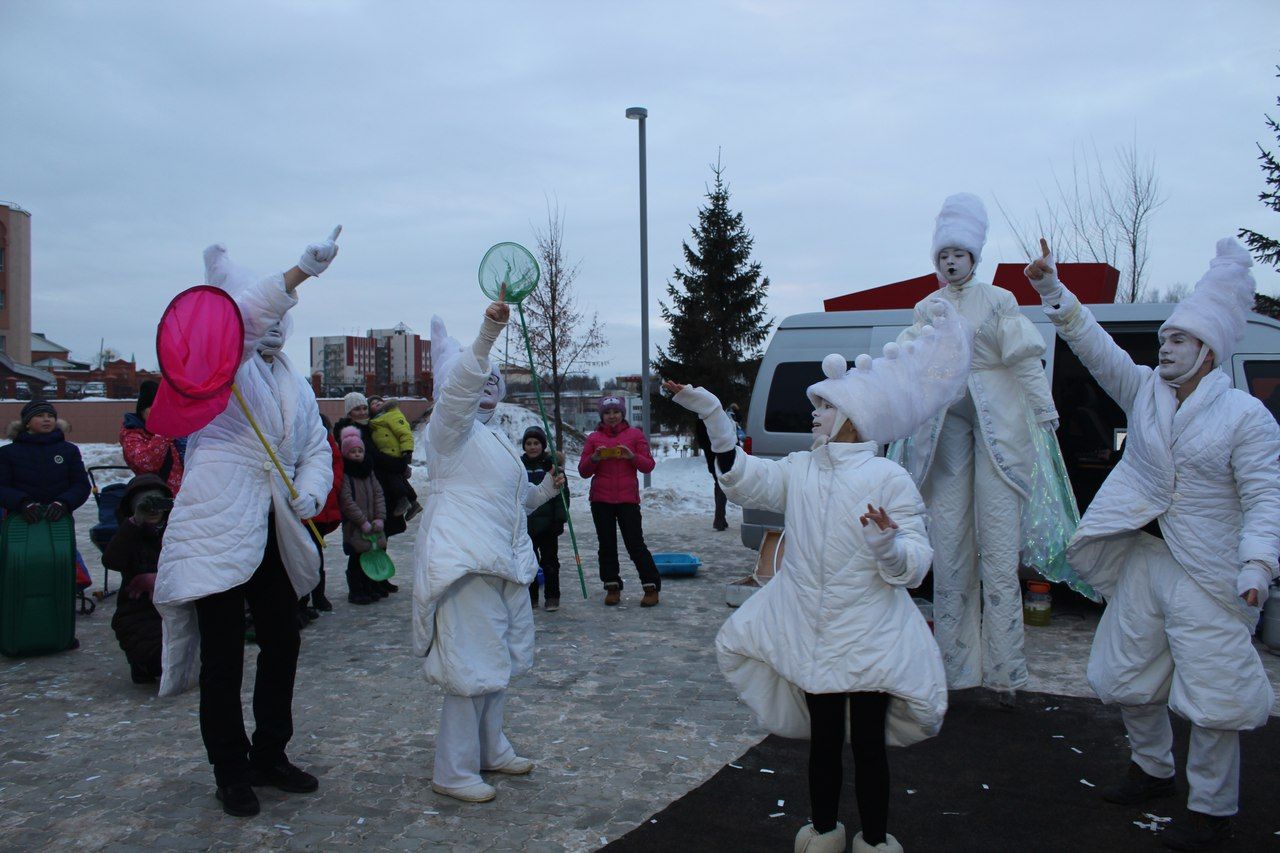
<point x="613" y="477"/>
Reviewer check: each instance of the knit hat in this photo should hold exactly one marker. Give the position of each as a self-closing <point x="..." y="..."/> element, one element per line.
<point x="962" y="224"/>
<point x="891" y="397"/>
<point x="534" y="432"/>
<point x="1218" y="308"/>
<point x="349" y="438"/>
<point x="146" y="396"/>
<point x="37" y="407"/>
<point x="352" y="400"/>
<point x="613" y="401"/>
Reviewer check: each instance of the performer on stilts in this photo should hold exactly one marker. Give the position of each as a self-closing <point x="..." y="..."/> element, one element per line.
<point x="1182" y="540"/>
<point x="835" y="636"/>
<point x="973" y="464"/>
<point x="473" y="564"/>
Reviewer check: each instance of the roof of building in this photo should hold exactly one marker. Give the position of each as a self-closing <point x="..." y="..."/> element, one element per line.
<point x="26" y="370"/>
<point x="39" y="343"/>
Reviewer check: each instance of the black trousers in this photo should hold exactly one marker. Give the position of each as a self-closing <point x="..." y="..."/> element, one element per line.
<point x="274" y="605"/>
<point x="609" y="518"/>
<point x="358" y="583"/>
<point x="870" y="761"/>
<point x="546" y="547"/>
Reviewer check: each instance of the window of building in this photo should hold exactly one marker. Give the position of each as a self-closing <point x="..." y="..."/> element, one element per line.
<point x="1" y="258"/>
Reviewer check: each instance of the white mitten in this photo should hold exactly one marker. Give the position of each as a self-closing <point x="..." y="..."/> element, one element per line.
<point x="884" y="546"/>
<point x="490" y="331"/>
<point x="317" y="257"/>
<point x="1254" y="576"/>
<point x="704" y="404"/>
<point x="1048" y="286"/>
<point x="305" y="505"/>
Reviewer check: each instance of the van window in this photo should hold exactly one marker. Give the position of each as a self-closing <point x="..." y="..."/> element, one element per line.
<point x="788" y="408"/>
<point x="1263" y="379"/>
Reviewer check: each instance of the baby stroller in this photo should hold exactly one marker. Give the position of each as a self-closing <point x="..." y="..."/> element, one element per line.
<point x="107" y="498"/>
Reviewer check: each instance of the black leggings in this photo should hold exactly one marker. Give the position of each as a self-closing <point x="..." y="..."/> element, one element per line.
<point x="870" y="762"/>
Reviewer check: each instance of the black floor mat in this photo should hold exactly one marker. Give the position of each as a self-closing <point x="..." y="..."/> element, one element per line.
<point x="993" y="780"/>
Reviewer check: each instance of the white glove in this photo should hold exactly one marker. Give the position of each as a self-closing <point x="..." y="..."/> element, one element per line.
<point x="1048" y="286"/>
<point x="305" y="505"/>
<point x="720" y="427"/>
<point x="316" y="257"/>
<point x="1254" y="576"/>
<point x="884" y="546"/>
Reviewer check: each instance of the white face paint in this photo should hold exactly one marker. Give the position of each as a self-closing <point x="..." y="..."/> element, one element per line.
<point x="954" y="265"/>
<point x="1178" y="354"/>
<point x="490" y="396"/>
<point x="824" y="419"/>
<point x="272" y="341"/>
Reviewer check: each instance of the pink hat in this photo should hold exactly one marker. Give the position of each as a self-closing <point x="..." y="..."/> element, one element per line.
<point x="614" y="402"/>
<point x="350" y="438"/>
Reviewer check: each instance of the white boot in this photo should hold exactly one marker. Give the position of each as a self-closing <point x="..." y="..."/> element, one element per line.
<point x="889" y="845"/>
<point x="477" y="793"/>
<point x="515" y="766"/>
<point x="809" y="840"/>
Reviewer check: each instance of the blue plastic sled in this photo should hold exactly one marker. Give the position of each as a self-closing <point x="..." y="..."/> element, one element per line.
<point x="677" y="565"/>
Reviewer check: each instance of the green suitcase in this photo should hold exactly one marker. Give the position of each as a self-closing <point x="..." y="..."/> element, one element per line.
<point x="37" y="586"/>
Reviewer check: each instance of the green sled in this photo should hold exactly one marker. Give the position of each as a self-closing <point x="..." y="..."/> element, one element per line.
<point x="37" y="586"/>
<point x="375" y="563"/>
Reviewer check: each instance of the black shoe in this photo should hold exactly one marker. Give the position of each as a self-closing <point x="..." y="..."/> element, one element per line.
<point x="414" y="510"/>
<point x="720" y="525"/>
<point x="238" y="800"/>
<point x="286" y="777"/>
<point x="1138" y="787"/>
<point x="388" y="586"/>
<point x="1197" y="832"/>
<point x="319" y="602"/>
<point x="75" y="644"/>
<point x="141" y="674"/>
<point x="311" y="613"/>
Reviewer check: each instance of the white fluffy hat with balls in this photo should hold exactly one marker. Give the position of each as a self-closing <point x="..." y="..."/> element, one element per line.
<point x="889" y="398"/>
<point x="1218" y="308"/>
<point x="961" y="224"/>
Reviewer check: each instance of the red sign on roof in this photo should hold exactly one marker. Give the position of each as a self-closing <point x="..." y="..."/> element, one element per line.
<point x="1092" y="283"/>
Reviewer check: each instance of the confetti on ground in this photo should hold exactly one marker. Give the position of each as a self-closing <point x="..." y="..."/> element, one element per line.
<point x="1077" y="751"/>
<point x="781" y="803"/>
<point x="1153" y="826"/>
<point x="1058" y="737"/>
<point x="736" y="766"/>
<point x="91" y="778"/>
<point x="683" y="757"/>
<point x="282" y="826"/>
<point x="985" y="787"/>
<point x="763" y="770"/>
<point x="653" y="820"/>
<point x="603" y="841"/>
<point x="585" y="748"/>
<point x="911" y="790"/>
<point x="1087" y="782"/>
<point x="956" y="813"/>
<point x="431" y="812"/>
<point x="778" y="814"/>
<point x="360" y="821"/>
<point x="1156" y="817"/>
<point x="663" y="751"/>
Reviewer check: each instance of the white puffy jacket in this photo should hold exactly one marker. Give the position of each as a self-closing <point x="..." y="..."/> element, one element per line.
<point x="834" y="620"/>
<point x="217" y="531"/>
<point x="474" y="522"/>
<point x="1208" y="469"/>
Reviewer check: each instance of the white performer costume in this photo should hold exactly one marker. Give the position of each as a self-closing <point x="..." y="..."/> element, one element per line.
<point x="473" y="564"/>
<point x="217" y="530"/>
<point x="1176" y="631"/>
<point x="973" y="463"/>
<point x="837" y="617"/>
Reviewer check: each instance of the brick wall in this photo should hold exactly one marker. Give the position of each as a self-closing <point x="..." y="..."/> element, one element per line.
<point x="99" y="421"/>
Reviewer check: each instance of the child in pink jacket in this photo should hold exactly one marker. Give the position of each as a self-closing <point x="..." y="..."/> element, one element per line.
<point x="613" y="454"/>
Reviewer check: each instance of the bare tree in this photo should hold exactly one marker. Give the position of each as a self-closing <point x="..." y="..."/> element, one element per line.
<point x="105" y="356"/>
<point x="563" y="338"/>
<point x="1175" y="292"/>
<point x="1102" y="214"/>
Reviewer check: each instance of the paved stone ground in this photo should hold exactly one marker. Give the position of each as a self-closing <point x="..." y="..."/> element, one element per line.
<point x="624" y="712"/>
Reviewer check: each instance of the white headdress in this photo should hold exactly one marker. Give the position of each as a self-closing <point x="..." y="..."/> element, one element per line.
<point x="224" y="273"/>
<point x="962" y="224"/>
<point x="1218" y="308"/>
<point x="891" y="397"/>
<point x="445" y="350"/>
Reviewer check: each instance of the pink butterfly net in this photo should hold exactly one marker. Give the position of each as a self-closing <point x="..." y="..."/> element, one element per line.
<point x="200" y="342"/>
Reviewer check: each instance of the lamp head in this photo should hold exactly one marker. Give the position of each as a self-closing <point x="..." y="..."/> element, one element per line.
<point x="637" y="112"/>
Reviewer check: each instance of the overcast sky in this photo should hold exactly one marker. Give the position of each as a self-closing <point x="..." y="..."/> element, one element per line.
<point x="138" y="133"/>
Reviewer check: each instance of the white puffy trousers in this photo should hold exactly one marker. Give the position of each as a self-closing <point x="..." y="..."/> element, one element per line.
<point x="470" y="738"/>
<point x="975" y="530"/>
<point x="1164" y="642"/>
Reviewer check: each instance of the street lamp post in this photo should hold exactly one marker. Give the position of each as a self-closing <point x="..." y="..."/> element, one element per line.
<point x="640" y="114"/>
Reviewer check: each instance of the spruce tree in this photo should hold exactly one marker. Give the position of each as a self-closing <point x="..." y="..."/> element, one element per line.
<point x="1267" y="249"/>
<point x="716" y="313"/>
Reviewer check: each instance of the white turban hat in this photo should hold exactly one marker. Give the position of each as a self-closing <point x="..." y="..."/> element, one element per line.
<point x="1218" y="308"/>
<point x="225" y="274"/>
<point x="445" y="350"/>
<point x="962" y="224"/>
<point x="889" y="398"/>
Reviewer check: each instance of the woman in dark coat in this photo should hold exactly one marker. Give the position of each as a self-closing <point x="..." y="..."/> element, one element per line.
<point x="134" y="552"/>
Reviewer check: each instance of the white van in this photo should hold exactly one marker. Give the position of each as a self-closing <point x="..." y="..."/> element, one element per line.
<point x="1091" y="428"/>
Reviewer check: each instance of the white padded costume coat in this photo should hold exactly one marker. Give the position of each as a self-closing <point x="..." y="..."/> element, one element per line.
<point x="217" y="531"/>
<point x="1208" y="469"/>
<point x="830" y="621"/>
<point x="475" y="637"/>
